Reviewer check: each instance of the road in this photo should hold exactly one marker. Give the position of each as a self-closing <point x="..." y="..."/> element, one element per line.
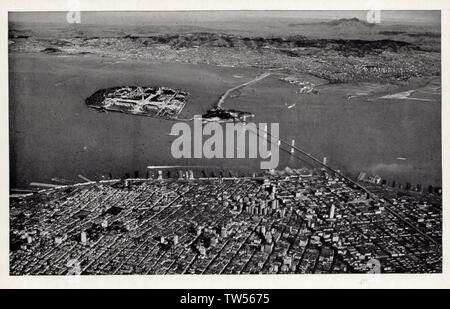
<point x="227" y="93"/>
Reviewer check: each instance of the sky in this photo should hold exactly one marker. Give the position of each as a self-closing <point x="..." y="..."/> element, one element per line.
<point x="191" y="17"/>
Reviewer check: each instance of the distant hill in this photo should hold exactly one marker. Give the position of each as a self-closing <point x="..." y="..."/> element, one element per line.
<point x="353" y="22"/>
<point x="342" y="22"/>
<point x="354" y="47"/>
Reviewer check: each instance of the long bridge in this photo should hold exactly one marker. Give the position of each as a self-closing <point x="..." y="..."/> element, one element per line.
<point x="354" y="183"/>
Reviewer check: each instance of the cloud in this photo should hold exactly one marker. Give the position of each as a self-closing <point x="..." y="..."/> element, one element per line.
<point x="392" y="167"/>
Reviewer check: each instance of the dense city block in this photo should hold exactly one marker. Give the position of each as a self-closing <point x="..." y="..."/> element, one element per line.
<point x="291" y="221"/>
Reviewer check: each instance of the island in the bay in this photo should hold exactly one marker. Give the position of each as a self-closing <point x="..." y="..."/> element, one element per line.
<point x="158" y="102"/>
<point x="218" y="114"/>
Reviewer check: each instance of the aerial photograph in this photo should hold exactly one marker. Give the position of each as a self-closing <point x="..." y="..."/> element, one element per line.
<point x="224" y="142"/>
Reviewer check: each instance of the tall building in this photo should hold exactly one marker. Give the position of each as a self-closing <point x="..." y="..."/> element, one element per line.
<point x="83" y="237"/>
<point x="262" y="203"/>
<point x="275" y="204"/>
<point x="287" y="260"/>
<point x="268" y="237"/>
<point x="105" y="223"/>
<point x="273" y="189"/>
<point x="223" y="232"/>
<point x="202" y="250"/>
<point x="408" y="186"/>
<point x="213" y="241"/>
<point x="332" y="209"/>
<point x="59" y="239"/>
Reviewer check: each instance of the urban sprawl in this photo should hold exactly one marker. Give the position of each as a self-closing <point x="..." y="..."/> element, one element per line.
<point x="287" y="222"/>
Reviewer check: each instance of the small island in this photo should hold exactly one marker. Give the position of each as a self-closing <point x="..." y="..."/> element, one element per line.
<point x="219" y="114"/>
<point x="157" y="102"/>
